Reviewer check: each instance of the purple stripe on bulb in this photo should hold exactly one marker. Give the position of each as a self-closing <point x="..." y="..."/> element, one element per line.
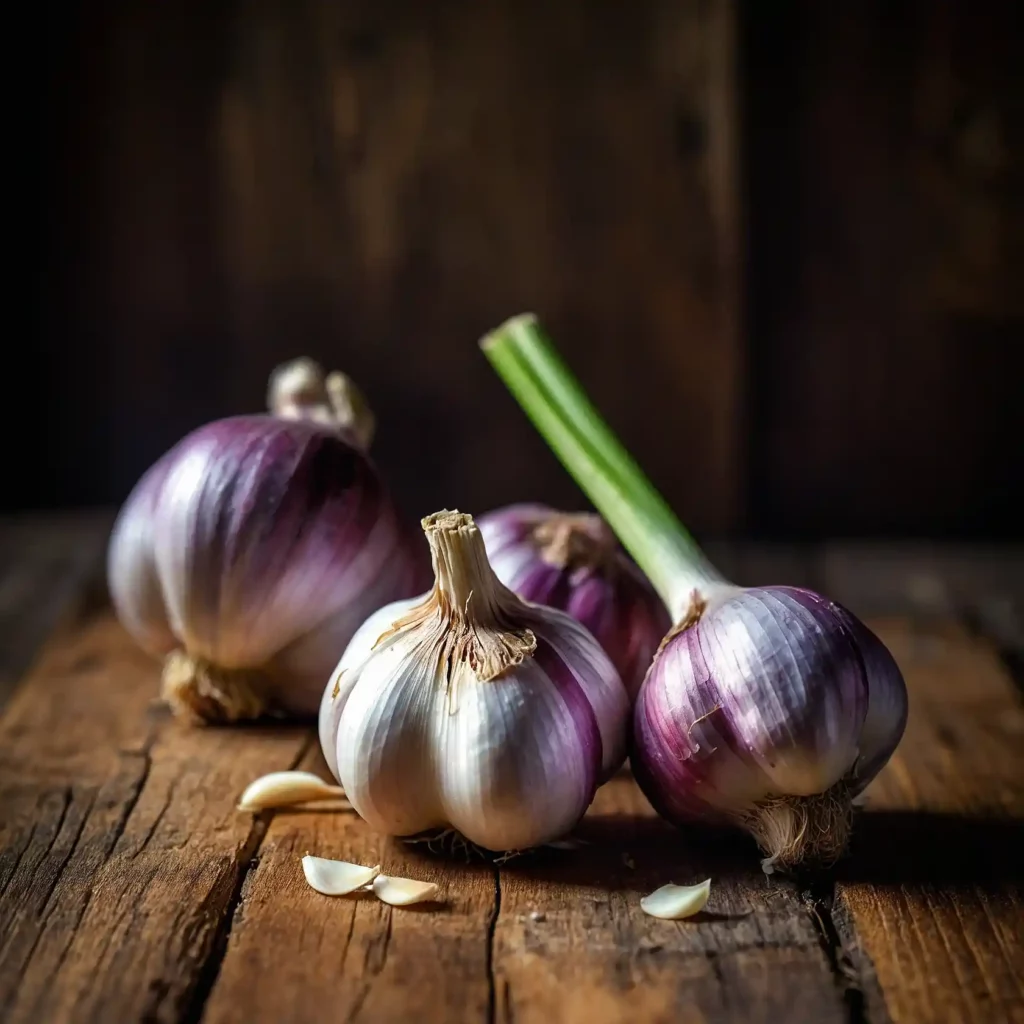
<point x="584" y="720"/>
<point x="670" y="774"/>
<point x="612" y="599"/>
<point x="886" y="716"/>
<point x="542" y="584"/>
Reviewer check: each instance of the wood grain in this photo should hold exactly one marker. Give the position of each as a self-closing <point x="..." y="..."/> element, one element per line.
<point x="132" y="890"/>
<point x="886" y="168"/>
<point x="596" y="956"/>
<point x="293" y="951"/>
<point x="120" y="849"/>
<point x="553" y="936"/>
<point x="377" y="185"/>
<point x="934" y="887"/>
<point x="46" y="563"/>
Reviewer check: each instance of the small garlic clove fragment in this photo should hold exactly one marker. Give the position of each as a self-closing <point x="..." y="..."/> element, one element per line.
<point x="674" y="902"/>
<point x="336" y="877"/>
<point x="401" y="892"/>
<point x="282" y="789"/>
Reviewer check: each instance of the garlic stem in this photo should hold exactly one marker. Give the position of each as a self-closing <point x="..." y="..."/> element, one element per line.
<point x="301" y="390"/>
<point x="554" y="400"/>
<point x="464" y="579"/>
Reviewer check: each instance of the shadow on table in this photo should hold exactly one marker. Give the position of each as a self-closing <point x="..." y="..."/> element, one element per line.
<point x="924" y="847"/>
<point x="624" y="852"/>
<point x="638" y="852"/>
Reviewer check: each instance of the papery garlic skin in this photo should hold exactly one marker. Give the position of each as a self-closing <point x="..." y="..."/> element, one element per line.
<point x="249" y="555"/>
<point x="472" y="710"/>
<point x="572" y="562"/>
<point x="772" y="711"/>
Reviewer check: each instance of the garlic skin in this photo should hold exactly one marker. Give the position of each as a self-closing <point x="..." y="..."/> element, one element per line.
<point x="250" y="553"/>
<point x="572" y="562"/>
<point x="770" y="708"/>
<point x="469" y="709"/>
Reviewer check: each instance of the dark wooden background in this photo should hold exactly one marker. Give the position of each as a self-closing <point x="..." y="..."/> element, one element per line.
<point x="783" y="244"/>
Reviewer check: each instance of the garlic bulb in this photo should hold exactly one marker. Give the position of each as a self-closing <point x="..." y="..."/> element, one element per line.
<point x="573" y="562"/>
<point x="772" y="709"/>
<point x="768" y="707"/>
<point x="251" y="552"/>
<point x="469" y="709"/>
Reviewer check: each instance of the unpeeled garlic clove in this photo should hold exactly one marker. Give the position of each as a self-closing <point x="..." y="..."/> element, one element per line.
<point x="336" y="877"/>
<point x="283" y="789"/>
<point x="674" y="902"/>
<point x="401" y="892"/>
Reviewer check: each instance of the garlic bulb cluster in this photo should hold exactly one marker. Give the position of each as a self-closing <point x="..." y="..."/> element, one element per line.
<point x="574" y="563"/>
<point x="768" y="707"/>
<point x="250" y="553"/>
<point x="470" y="709"/>
<point x="771" y="709"/>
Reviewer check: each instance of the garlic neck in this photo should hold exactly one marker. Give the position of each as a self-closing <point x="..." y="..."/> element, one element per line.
<point x="575" y="541"/>
<point x="471" y="620"/>
<point x="465" y="587"/>
<point x="300" y="390"/>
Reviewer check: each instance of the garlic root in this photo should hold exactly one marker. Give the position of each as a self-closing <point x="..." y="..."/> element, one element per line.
<point x="802" y="829"/>
<point x="201" y="693"/>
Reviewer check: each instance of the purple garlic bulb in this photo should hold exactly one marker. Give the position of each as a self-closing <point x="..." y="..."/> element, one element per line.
<point x="770" y="708"/>
<point x="572" y="562"/>
<point x="249" y="555"/>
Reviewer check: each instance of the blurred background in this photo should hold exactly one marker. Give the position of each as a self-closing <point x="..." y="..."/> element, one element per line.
<point x="782" y="244"/>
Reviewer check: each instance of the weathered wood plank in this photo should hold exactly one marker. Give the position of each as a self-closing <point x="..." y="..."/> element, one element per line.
<point x="932" y="579"/>
<point x="932" y="892"/>
<point x="562" y="938"/>
<point x="755" y="955"/>
<point x="377" y="184"/>
<point x="885" y="219"/>
<point x="292" y="951"/>
<point x="45" y="562"/>
<point x="126" y="873"/>
<point x="120" y="849"/>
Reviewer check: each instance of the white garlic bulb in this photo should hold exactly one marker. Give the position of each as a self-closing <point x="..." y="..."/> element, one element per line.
<point x="469" y="709"/>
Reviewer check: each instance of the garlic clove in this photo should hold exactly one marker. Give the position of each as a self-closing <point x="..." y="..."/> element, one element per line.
<point x="401" y="892"/>
<point x="282" y="789"/>
<point x="336" y="877"/>
<point x="674" y="902"/>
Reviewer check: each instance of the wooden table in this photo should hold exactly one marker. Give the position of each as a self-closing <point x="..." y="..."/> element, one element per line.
<point x="132" y="890"/>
